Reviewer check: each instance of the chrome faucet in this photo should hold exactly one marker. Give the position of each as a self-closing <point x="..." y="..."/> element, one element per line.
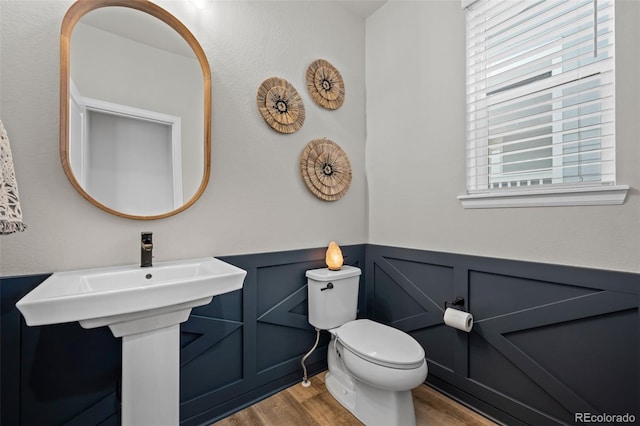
<point x="146" y="249"/>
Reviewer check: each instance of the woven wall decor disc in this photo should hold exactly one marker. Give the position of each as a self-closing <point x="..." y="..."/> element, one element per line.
<point x="280" y="105"/>
<point x="325" y="169"/>
<point x="325" y="84"/>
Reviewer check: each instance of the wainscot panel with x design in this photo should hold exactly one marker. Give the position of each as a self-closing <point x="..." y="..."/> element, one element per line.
<point x="549" y="345"/>
<point x="254" y="344"/>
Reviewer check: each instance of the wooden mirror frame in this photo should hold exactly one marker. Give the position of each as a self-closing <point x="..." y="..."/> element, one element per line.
<point x="73" y="15"/>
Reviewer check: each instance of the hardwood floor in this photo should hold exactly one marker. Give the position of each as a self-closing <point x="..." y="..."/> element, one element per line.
<point x="300" y="406"/>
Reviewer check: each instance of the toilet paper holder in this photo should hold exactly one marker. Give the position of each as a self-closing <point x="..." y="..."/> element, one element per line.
<point x="458" y="302"/>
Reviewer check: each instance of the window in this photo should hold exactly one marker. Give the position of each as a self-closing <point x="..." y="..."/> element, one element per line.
<point x="540" y="103"/>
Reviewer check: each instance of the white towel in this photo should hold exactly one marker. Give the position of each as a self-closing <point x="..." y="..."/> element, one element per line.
<point x="10" y="211"/>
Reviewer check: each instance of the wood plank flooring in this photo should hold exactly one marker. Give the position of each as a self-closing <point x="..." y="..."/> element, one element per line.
<point x="314" y="406"/>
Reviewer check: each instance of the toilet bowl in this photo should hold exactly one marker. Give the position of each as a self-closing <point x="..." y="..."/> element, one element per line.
<point x="380" y="355"/>
<point x="372" y="367"/>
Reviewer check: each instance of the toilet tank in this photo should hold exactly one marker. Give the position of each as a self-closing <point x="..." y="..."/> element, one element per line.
<point x="333" y="296"/>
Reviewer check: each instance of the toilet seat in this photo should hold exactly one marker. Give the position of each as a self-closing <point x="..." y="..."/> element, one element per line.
<point x="380" y="344"/>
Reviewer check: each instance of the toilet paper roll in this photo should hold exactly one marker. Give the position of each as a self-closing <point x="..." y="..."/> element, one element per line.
<point x="458" y="319"/>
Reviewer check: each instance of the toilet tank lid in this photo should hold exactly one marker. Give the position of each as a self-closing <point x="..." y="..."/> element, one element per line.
<point x="325" y="274"/>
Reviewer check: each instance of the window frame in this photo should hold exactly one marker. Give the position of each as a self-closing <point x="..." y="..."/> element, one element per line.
<point x="553" y="194"/>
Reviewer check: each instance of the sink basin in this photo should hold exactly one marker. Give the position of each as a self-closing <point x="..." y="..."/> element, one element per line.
<point x="106" y="296"/>
<point x="145" y="307"/>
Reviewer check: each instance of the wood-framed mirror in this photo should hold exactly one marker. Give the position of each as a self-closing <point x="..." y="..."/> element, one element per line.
<point x="135" y="108"/>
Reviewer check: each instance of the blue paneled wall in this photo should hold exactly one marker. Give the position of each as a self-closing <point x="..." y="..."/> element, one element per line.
<point x="241" y="347"/>
<point x="548" y="341"/>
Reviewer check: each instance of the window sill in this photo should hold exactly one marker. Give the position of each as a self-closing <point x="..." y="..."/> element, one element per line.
<point x="550" y="197"/>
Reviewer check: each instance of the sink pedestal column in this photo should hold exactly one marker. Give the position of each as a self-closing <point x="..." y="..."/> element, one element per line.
<point x="151" y="377"/>
<point x="151" y="368"/>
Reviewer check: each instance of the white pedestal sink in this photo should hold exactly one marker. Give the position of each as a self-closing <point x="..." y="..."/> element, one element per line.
<point x="145" y="307"/>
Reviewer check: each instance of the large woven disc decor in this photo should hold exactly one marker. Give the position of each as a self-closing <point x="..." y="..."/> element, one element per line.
<point x="325" y="84"/>
<point x="325" y="169"/>
<point x="280" y="105"/>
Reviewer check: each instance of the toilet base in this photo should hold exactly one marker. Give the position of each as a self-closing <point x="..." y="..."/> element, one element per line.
<point x="372" y="406"/>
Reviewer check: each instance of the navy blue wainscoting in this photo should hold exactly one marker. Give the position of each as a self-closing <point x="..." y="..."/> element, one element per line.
<point x="59" y="374"/>
<point x="548" y="341"/>
<point x="241" y="348"/>
<point x="259" y="352"/>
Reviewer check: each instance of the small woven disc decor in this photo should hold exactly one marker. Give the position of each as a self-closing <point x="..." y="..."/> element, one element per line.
<point x="280" y="105"/>
<point x="325" y="84"/>
<point x="326" y="169"/>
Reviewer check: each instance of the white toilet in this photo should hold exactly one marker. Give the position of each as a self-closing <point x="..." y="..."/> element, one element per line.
<point x="372" y="367"/>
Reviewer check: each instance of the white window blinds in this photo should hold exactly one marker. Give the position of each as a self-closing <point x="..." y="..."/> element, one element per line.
<point x="540" y="94"/>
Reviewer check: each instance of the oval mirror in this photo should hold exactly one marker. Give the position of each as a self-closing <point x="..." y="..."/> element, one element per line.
<point x="135" y="108"/>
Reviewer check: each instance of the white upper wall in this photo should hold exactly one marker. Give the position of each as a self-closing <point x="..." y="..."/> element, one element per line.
<point x="256" y="200"/>
<point x="415" y="154"/>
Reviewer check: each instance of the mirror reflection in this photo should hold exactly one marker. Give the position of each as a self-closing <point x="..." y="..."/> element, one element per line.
<point x="136" y="112"/>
